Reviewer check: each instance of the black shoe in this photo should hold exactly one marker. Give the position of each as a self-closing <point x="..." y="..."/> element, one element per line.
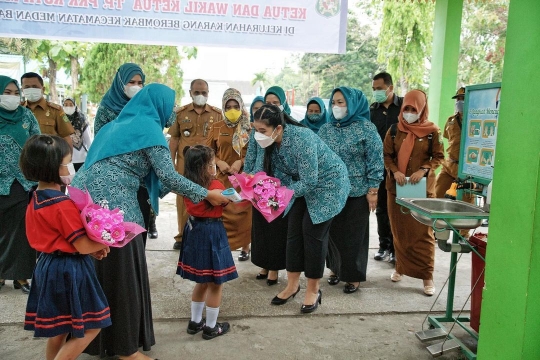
<point x="392" y="258"/>
<point x="349" y="288"/>
<point x="2" y="282"/>
<point x="381" y="254"/>
<point x="261" y="276"/>
<point x="244" y="256"/>
<point x="333" y="280"/>
<point x="305" y="309"/>
<point x="218" y="330"/>
<point x="25" y="288"/>
<point x="279" y="301"/>
<point x="194" y="327"/>
<point x="177" y="245"/>
<point x="271" y="282"/>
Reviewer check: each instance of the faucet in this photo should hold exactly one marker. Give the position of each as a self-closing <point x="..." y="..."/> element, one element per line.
<point x="460" y="184"/>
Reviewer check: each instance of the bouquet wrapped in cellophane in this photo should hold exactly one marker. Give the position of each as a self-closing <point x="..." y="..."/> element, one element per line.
<point x="266" y="193"/>
<point x="103" y="225"/>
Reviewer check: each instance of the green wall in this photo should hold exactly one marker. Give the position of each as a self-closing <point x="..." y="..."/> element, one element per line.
<point x="510" y="320"/>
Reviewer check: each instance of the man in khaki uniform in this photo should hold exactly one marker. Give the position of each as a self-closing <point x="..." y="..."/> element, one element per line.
<point x="452" y="132"/>
<point x="192" y="125"/>
<point x="51" y="117"/>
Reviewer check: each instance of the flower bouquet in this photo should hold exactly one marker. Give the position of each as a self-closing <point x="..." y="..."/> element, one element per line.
<point x="103" y="225"/>
<point x="264" y="192"/>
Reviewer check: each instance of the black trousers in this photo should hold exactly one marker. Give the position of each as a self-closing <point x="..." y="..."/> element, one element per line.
<point x="144" y="205"/>
<point x="386" y="240"/>
<point x="350" y="232"/>
<point x="307" y="243"/>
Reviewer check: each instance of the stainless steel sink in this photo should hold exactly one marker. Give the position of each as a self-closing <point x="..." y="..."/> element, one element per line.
<point x="441" y="213"/>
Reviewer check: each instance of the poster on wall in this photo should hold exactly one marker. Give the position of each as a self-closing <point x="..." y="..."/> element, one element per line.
<point x="318" y="26"/>
<point x="479" y="131"/>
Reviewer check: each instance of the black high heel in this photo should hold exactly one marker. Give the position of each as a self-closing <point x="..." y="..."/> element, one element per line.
<point x="25" y="288"/>
<point x="261" y="276"/>
<point x="270" y="282"/>
<point x="279" y="301"/>
<point x="305" y="309"/>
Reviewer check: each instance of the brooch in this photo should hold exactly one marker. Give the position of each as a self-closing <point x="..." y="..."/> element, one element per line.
<point x="187" y="133"/>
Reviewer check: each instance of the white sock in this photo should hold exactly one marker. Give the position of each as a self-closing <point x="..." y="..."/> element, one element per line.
<point x="196" y="311"/>
<point x="211" y="316"/>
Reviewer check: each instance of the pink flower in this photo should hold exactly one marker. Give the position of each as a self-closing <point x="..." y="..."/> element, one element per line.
<point x="262" y="204"/>
<point x="118" y="233"/>
<point x="96" y="225"/>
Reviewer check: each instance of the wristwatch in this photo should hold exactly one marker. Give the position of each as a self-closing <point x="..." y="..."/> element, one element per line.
<point x="425" y="169"/>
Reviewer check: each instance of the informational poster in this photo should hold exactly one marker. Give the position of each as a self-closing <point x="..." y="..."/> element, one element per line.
<point x="479" y="130"/>
<point x="318" y="26"/>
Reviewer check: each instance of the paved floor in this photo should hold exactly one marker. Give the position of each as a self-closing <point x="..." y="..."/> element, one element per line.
<point x="377" y="322"/>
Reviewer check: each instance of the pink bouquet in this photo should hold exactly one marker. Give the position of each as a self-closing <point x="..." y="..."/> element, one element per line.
<point x="101" y="224"/>
<point x="264" y="192"/>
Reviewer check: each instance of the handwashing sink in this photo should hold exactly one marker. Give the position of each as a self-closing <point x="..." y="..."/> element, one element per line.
<point x="441" y="213"/>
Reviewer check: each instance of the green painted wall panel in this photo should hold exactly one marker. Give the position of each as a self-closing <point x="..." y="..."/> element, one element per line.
<point x="510" y="320"/>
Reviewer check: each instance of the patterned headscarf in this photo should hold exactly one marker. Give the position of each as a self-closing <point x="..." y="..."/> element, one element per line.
<point x="241" y="134"/>
<point x="79" y="122"/>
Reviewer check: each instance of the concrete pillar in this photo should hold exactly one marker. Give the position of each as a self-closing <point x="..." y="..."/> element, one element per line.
<point x="444" y="59"/>
<point x="510" y="319"/>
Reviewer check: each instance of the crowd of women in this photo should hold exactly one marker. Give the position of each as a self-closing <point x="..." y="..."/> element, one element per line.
<point x="333" y="160"/>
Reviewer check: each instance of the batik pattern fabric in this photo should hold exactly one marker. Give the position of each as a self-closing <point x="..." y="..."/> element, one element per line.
<point x="306" y="165"/>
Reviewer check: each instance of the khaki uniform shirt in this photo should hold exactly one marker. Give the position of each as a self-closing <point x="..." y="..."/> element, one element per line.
<point x="51" y="118"/>
<point x="220" y="140"/>
<point x="452" y="132"/>
<point x="192" y="129"/>
<point x="419" y="158"/>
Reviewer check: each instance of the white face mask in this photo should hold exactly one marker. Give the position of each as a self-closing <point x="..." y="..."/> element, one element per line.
<point x="281" y="107"/>
<point x="213" y="169"/>
<point x="200" y="100"/>
<point x="66" y="179"/>
<point x="69" y="110"/>
<point x="339" y="112"/>
<point x="32" y="94"/>
<point x="264" y="141"/>
<point x="10" y="102"/>
<point x="131" y="91"/>
<point x="410" y="117"/>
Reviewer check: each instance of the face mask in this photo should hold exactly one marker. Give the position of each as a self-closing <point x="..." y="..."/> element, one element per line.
<point x="131" y="91"/>
<point x="171" y="120"/>
<point x="233" y="115"/>
<point x="410" y="117"/>
<point x="339" y="112"/>
<point x="314" y="117"/>
<point x="10" y="102"/>
<point x="263" y="140"/>
<point x="213" y="170"/>
<point x="32" y="94"/>
<point x="459" y="106"/>
<point x="200" y="100"/>
<point x="281" y="107"/>
<point x="380" y="95"/>
<point x="66" y="179"/>
<point x="69" y="110"/>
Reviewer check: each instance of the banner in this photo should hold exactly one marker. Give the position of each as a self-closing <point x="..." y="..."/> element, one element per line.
<point x="317" y="26"/>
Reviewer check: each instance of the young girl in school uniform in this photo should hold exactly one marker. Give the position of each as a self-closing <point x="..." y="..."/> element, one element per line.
<point x="65" y="297"/>
<point x="205" y="256"/>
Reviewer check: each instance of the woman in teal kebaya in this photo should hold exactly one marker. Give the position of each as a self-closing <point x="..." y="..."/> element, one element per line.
<point x="305" y="164"/>
<point x="351" y="135"/>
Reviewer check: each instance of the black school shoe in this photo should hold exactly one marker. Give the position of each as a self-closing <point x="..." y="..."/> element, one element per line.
<point x="194" y="327"/>
<point x="218" y="330"/>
